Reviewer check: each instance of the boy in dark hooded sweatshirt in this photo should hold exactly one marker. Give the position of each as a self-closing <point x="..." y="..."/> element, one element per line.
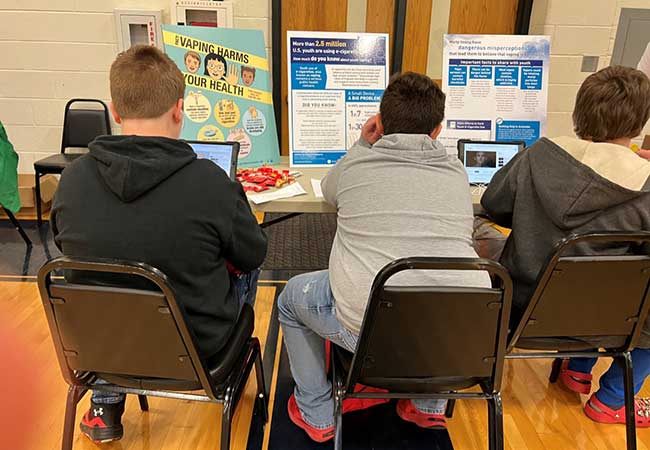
<point x="572" y="185"/>
<point x="144" y="196"/>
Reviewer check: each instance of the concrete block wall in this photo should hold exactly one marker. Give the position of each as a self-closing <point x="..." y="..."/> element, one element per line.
<point x="55" y="50"/>
<point x="577" y="28"/>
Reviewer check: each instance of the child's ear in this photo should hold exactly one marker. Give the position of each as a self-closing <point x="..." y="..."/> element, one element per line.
<point x="116" y="116"/>
<point x="380" y="125"/>
<point x="178" y="111"/>
<point x="436" y="132"/>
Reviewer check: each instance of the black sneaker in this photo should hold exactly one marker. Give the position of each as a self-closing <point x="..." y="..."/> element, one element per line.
<point x="103" y="422"/>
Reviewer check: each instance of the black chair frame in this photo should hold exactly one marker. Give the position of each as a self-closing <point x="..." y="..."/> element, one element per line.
<point x="343" y="384"/>
<point x="17" y="226"/>
<point x="228" y="393"/>
<point x="620" y="355"/>
<point x="38" y="173"/>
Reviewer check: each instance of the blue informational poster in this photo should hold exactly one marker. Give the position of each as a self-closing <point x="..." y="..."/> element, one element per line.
<point x="336" y="84"/>
<point x="496" y="86"/>
<point x="228" y="93"/>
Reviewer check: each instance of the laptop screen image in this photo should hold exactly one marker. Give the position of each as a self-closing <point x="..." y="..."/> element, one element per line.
<point x="483" y="159"/>
<point x="223" y="154"/>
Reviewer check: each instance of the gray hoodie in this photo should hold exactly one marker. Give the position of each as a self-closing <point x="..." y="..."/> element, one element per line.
<point x="559" y="187"/>
<point x="403" y="197"/>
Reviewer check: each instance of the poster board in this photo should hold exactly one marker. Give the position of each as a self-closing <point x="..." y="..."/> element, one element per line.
<point x="496" y="86"/>
<point x="336" y="81"/>
<point x="228" y="93"/>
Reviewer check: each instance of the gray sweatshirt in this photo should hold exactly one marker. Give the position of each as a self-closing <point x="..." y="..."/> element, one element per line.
<point x="403" y="197"/>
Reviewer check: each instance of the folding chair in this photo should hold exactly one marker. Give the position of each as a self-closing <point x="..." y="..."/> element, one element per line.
<point x="17" y="226"/>
<point x="80" y="127"/>
<point x="428" y="342"/>
<point x="582" y="298"/>
<point x="143" y="345"/>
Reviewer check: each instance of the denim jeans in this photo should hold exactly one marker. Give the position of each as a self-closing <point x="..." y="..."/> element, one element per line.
<point x="245" y="287"/>
<point x="307" y="313"/>
<point x="611" y="391"/>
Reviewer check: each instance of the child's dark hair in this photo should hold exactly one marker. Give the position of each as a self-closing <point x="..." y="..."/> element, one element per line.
<point x="248" y="69"/>
<point x="412" y="104"/>
<point x="214" y="56"/>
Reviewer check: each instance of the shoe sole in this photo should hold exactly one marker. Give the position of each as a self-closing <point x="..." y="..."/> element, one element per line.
<point x="102" y="435"/>
<point x="606" y="419"/>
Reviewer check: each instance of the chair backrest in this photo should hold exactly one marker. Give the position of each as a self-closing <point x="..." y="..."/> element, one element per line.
<point x="82" y="125"/>
<point x="417" y="334"/>
<point x="585" y="291"/>
<point x="118" y="330"/>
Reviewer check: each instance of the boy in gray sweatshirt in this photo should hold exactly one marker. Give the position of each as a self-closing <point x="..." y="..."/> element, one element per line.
<point x="397" y="194"/>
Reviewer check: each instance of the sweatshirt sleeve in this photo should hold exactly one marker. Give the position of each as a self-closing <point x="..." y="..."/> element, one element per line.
<point x="499" y="198"/>
<point x="246" y="248"/>
<point x="329" y="184"/>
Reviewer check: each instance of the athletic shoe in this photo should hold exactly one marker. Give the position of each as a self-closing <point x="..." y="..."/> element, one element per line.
<point x="103" y="422"/>
<point x="408" y="412"/>
<point x="315" y="434"/>
<point x="601" y="413"/>
<point x="578" y="382"/>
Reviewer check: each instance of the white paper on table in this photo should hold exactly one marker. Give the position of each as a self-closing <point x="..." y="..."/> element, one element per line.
<point x="292" y="190"/>
<point x="315" y="185"/>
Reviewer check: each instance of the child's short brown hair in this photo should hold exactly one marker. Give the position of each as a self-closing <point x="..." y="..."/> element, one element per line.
<point x="248" y="69"/>
<point x="192" y="54"/>
<point x="145" y="83"/>
<point x="412" y="104"/>
<point x="612" y="103"/>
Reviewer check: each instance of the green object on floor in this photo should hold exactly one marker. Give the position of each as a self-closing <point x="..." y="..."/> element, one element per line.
<point x="9" y="197"/>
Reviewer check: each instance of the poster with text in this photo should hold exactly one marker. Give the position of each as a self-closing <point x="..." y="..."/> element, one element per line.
<point x="336" y="84"/>
<point x="496" y="86"/>
<point x="228" y="93"/>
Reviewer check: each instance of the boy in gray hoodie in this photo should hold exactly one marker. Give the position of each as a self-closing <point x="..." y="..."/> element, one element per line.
<point x="572" y="185"/>
<point x="397" y="194"/>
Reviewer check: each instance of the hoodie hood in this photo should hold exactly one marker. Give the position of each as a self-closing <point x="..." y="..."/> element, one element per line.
<point x="414" y="147"/>
<point x="133" y="165"/>
<point x="576" y="180"/>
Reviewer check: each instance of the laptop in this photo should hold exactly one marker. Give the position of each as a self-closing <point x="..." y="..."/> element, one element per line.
<point x="482" y="159"/>
<point x="223" y="154"/>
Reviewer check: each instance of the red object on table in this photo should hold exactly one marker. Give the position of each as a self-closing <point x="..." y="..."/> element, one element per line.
<point x="262" y="178"/>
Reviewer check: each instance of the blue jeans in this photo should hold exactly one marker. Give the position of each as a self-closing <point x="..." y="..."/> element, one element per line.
<point x="611" y="391"/>
<point x="307" y="313"/>
<point x="245" y="287"/>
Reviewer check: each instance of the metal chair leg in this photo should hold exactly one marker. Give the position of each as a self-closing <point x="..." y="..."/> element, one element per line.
<point x="451" y="405"/>
<point x="630" y="414"/>
<point x="338" y="417"/>
<point x="495" y="422"/>
<point x="262" y="398"/>
<point x="226" y="419"/>
<point x="75" y="394"/>
<point x="555" y="370"/>
<point x="144" y="403"/>
<point x="37" y="187"/>
<point x="18" y="226"/>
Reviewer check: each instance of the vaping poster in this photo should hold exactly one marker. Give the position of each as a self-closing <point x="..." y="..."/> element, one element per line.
<point x="228" y="93"/>
<point x="496" y="86"/>
<point x="336" y="81"/>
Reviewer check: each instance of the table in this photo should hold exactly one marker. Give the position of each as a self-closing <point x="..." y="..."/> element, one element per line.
<point x="309" y="203"/>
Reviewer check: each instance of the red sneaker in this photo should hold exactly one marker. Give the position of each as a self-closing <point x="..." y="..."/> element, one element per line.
<point x="316" y="434"/>
<point x="408" y="412"/>
<point x="579" y="382"/>
<point x="357" y="404"/>
<point x="601" y="413"/>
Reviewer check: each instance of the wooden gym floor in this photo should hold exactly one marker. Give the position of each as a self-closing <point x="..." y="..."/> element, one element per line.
<point x="537" y="415"/>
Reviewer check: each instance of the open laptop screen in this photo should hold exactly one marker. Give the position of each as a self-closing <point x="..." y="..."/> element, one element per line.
<point x="483" y="159"/>
<point x="223" y="154"/>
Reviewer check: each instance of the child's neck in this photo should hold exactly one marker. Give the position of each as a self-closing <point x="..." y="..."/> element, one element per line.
<point x="148" y="127"/>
